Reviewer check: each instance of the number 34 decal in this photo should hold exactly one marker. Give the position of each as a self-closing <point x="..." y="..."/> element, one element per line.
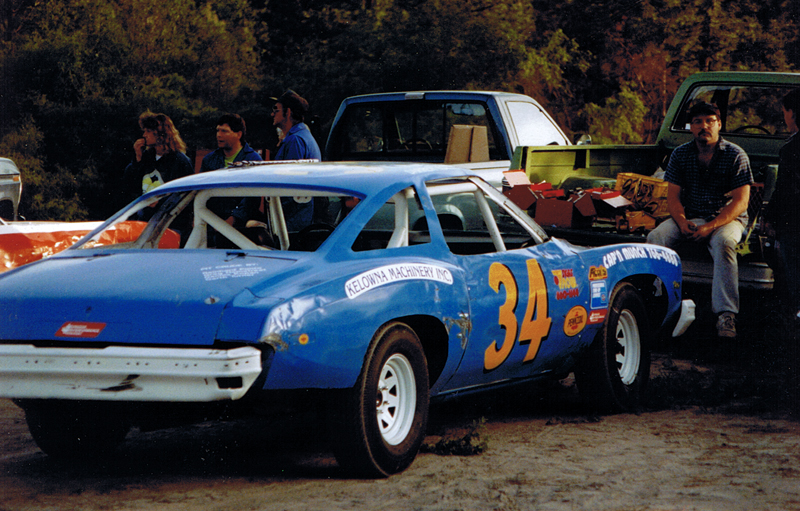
<point x="535" y="325"/>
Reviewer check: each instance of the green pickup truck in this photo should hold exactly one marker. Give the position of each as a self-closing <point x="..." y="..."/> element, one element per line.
<point x="750" y="107"/>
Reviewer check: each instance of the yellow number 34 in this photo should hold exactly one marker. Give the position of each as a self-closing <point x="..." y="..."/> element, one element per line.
<point x="535" y="325"/>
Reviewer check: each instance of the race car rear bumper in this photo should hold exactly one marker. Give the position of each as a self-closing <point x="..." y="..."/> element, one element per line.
<point x="119" y="373"/>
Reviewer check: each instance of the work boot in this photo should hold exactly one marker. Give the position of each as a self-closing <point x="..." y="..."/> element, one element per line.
<point x="726" y="325"/>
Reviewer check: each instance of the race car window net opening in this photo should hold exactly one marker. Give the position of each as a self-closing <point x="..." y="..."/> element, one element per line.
<point x="247" y="218"/>
<point x="473" y="218"/>
<point x="476" y="219"/>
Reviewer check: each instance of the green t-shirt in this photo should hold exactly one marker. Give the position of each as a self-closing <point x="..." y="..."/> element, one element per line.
<point x="230" y="160"/>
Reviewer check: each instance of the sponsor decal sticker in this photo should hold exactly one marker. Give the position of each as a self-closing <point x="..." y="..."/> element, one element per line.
<point x="597" y="316"/>
<point x="567" y="284"/>
<point x="599" y="295"/>
<point x="231" y="271"/>
<point x="80" y="329"/>
<point x="575" y="321"/>
<point x="395" y="273"/>
<point x="598" y="273"/>
<point x="640" y="252"/>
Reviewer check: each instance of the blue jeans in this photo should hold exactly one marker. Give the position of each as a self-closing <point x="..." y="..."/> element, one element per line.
<point x="722" y="246"/>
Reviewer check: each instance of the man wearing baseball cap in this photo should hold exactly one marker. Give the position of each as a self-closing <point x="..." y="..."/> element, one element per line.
<point x="709" y="189"/>
<point x="288" y="114"/>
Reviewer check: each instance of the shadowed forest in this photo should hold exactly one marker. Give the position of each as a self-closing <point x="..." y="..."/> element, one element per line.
<point x="76" y="74"/>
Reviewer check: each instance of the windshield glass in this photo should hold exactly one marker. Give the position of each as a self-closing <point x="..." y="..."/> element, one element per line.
<point x="250" y="218"/>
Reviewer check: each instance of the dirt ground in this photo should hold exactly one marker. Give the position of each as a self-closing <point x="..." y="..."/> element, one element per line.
<point x="720" y="432"/>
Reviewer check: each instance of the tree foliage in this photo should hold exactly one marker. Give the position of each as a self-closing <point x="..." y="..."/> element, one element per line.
<point x="83" y="70"/>
<point x="77" y="73"/>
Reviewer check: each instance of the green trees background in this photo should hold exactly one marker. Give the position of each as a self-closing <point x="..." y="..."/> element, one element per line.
<point x="77" y="73"/>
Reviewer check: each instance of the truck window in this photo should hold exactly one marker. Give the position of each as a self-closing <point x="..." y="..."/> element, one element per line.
<point x="364" y="133"/>
<point x="409" y="130"/>
<point x="745" y="109"/>
<point x="533" y="126"/>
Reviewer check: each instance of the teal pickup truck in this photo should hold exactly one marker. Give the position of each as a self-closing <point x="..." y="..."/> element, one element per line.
<point x="750" y="106"/>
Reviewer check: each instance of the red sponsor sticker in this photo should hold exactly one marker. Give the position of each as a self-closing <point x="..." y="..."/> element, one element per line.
<point x="597" y="316"/>
<point x="80" y="329"/>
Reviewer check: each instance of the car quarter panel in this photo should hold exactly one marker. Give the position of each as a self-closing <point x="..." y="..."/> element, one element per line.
<point x="534" y="310"/>
<point x="321" y="336"/>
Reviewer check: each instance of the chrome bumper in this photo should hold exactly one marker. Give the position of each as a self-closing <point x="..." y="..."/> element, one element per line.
<point x="127" y="373"/>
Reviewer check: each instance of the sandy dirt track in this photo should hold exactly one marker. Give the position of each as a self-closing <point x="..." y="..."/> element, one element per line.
<point x="721" y="433"/>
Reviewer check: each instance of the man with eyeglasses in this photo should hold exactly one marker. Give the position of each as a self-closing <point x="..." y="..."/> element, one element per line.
<point x="298" y="143"/>
<point x="709" y="189"/>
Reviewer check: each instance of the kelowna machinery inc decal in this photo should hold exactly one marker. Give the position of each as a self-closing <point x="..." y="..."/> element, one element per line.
<point x="395" y="273"/>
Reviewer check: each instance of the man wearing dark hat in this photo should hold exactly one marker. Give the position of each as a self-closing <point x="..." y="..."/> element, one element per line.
<point x="709" y="188"/>
<point x="298" y="144"/>
<point x="288" y="115"/>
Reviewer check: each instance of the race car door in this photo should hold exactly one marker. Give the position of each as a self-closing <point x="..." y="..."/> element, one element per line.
<point x="513" y="282"/>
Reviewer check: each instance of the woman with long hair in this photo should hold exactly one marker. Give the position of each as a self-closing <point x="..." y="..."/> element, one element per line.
<point x="158" y="156"/>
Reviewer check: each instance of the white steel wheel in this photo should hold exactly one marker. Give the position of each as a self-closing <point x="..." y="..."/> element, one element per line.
<point x="629" y="347"/>
<point x="380" y="425"/>
<point x="396" y="399"/>
<point x="613" y="373"/>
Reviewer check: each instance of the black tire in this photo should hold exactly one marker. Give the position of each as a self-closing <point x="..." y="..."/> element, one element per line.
<point x="381" y="423"/>
<point x="613" y="374"/>
<point x="76" y="430"/>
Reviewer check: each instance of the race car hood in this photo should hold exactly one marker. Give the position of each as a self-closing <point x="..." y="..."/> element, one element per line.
<point x="140" y="297"/>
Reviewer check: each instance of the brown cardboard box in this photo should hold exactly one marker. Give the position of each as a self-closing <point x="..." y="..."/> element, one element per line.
<point x="583" y="204"/>
<point x="517" y="187"/>
<point x="576" y="211"/>
<point x="467" y="144"/>
<point x="554" y="212"/>
<point x="609" y="203"/>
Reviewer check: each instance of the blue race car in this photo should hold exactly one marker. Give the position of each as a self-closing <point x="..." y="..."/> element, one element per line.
<point x="353" y="283"/>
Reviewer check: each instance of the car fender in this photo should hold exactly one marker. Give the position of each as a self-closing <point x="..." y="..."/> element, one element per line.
<point x="320" y="336"/>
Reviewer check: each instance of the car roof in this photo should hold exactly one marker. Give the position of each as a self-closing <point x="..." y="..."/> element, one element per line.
<point x="437" y="95"/>
<point x="363" y="178"/>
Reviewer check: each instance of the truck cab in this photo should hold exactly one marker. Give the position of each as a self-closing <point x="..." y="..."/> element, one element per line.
<point x="418" y="126"/>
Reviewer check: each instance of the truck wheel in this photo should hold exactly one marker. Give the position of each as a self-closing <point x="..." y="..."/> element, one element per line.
<point x="612" y="376"/>
<point x="73" y="429"/>
<point x="381" y="423"/>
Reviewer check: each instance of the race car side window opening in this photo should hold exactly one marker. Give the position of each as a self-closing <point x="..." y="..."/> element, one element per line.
<point x="473" y="221"/>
